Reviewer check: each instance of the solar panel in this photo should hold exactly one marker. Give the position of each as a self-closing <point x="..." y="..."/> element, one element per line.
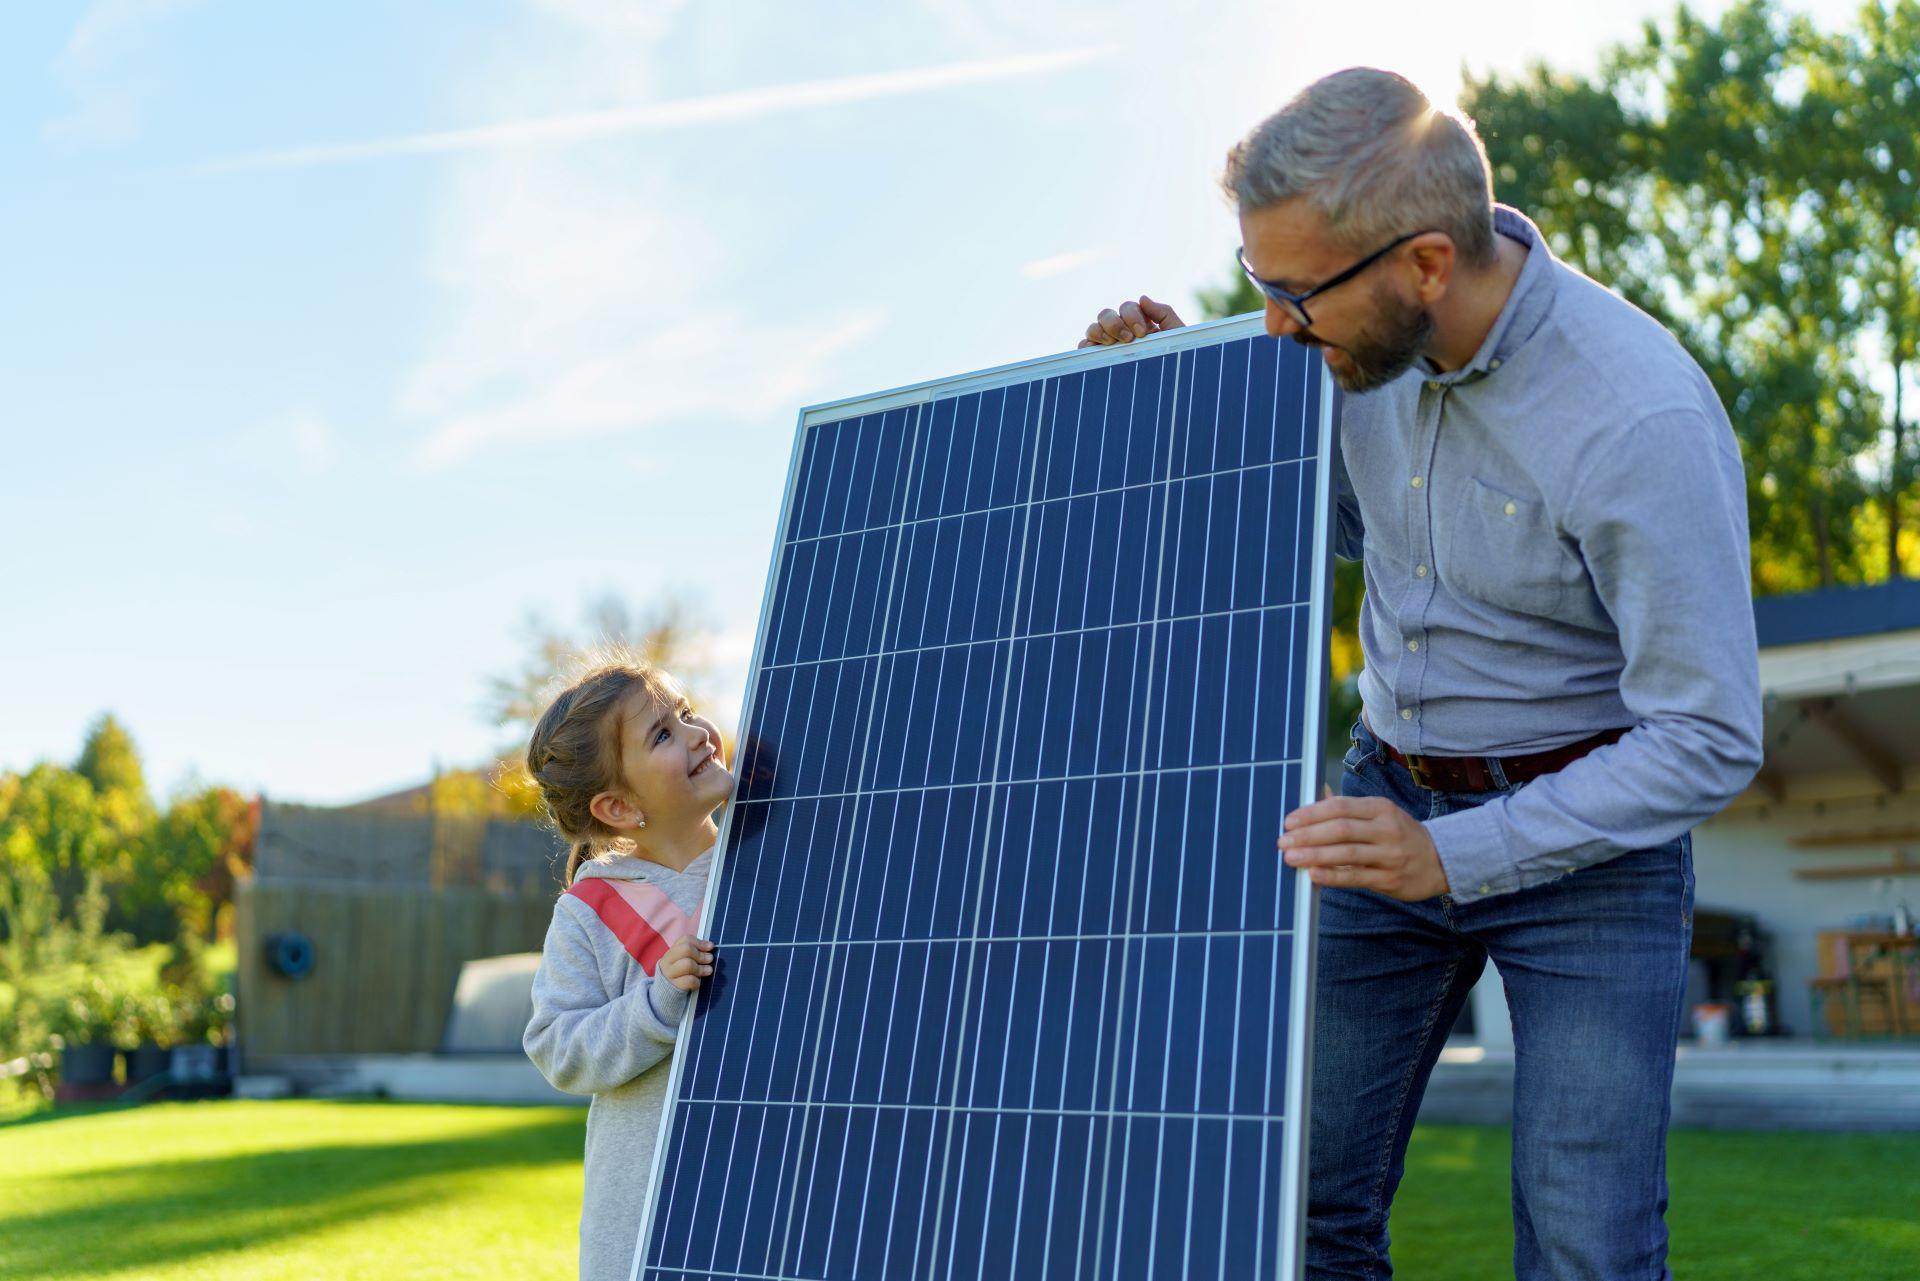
<point x="1013" y="982"/>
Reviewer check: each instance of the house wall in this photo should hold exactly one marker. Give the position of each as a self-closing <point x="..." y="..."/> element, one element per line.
<point x="393" y="905"/>
<point x="386" y="961"/>
<point x="1743" y="862"/>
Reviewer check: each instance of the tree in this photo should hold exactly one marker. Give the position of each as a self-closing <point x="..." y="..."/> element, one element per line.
<point x="672" y="634"/>
<point x="111" y="762"/>
<point x="54" y="832"/>
<point x="185" y="866"/>
<point x="1750" y="183"/>
<point x="1867" y="80"/>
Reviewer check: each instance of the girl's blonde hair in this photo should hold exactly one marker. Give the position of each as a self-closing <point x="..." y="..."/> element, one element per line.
<point x="574" y="754"/>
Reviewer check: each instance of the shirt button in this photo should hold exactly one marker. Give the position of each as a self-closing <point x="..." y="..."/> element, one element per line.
<point x="1406" y="713"/>
<point x="1486" y="889"/>
<point x="1417" y="482"/>
<point x="1511" y="509"/>
<point x="1435" y="386"/>
<point x="1413" y="646"/>
<point x="1494" y="363"/>
<point x="1419" y="571"/>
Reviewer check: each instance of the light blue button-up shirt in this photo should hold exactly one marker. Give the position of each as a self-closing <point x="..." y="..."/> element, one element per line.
<point x="1555" y="543"/>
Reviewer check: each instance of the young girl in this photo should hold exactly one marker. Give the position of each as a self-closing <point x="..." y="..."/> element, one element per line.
<point x="632" y="778"/>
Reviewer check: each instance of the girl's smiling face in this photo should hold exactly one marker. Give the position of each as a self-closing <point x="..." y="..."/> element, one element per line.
<point x="672" y="763"/>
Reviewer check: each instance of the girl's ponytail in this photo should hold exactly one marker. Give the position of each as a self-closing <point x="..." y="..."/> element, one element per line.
<point x="582" y="851"/>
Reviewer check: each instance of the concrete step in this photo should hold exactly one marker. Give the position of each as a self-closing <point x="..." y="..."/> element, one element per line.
<point x="1804" y="1086"/>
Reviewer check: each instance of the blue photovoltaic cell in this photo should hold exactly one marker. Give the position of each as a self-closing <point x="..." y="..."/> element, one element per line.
<point x="1007" y="955"/>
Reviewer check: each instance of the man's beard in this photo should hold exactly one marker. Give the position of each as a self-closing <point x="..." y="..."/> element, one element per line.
<point x="1386" y="347"/>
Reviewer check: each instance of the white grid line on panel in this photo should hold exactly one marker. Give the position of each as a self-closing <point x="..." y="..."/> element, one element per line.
<point x="833" y="996"/>
<point x="947" y="1024"/>
<point x="1195" y="478"/>
<point x="788" y="1138"/>
<point x="886" y="1047"/>
<point x="1269" y="763"/>
<point x="912" y="453"/>
<point x="1116" y="936"/>
<point x="1259" y="658"/>
<point x="926" y="976"/>
<point x="1174" y="443"/>
<point x="1213" y="859"/>
<point x="850" y="872"/>
<point x="984" y="1109"/>
<point x="1187" y="809"/>
<point x="1240" y="960"/>
<point x="1293" y="1157"/>
<point x="1053" y="897"/>
<point x="1006" y="691"/>
<point x="1087" y="862"/>
<point x="1201" y="616"/>
<point x="1053" y="894"/>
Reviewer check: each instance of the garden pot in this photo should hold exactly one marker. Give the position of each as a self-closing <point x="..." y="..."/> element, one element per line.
<point x="89" y="1063"/>
<point x="146" y="1061"/>
<point x="194" y="1064"/>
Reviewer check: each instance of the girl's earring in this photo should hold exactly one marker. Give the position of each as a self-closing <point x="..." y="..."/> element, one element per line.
<point x="643" y="822"/>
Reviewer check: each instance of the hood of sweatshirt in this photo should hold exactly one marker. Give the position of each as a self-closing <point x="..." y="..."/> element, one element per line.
<point x="628" y="867"/>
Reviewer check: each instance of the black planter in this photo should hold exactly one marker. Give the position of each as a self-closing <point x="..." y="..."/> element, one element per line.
<point x="147" y="1061"/>
<point x="199" y="1071"/>
<point x="89" y="1063"/>
<point x="195" y="1063"/>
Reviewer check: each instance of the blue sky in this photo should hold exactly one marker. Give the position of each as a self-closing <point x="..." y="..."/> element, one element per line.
<point x="338" y="338"/>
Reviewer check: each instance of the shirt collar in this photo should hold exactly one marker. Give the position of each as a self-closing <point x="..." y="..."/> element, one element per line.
<point x="1525" y="307"/>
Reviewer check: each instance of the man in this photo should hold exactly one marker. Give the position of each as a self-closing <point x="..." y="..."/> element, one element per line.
<point x="1561" y="675"/>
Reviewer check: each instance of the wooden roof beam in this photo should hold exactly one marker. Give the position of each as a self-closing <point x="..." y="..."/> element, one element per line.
<point x="1879" y="762"/>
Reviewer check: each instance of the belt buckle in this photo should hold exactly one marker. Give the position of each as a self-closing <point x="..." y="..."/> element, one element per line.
<point x="1417" y="767"/>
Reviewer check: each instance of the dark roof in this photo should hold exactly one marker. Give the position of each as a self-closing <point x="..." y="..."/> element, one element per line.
<point x="1836" y="613"/>
<point x="408" y="800"/>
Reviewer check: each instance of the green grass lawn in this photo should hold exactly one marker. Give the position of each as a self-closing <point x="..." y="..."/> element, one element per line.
<point x="1783" y="1207"/>
<point x="308" y="1190"/>
<point x="320" y="1190"/>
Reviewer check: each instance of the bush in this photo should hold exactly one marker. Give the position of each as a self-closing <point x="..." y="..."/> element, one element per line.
<point x="67" y="981"/>
<point x="199" y="991"/>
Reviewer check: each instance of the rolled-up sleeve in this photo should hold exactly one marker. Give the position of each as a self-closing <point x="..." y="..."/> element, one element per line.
<point x="1659" y="516"/>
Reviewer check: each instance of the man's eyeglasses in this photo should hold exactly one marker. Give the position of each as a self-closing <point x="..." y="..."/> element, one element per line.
<point x="1295" y="305"/>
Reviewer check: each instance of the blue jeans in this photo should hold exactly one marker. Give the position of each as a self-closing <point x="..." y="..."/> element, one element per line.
<point x="1594" y="964"/>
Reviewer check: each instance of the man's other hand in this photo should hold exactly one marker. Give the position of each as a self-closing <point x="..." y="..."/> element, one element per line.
<point x="1364" y="842"/>
<point x="1133" y="320"/>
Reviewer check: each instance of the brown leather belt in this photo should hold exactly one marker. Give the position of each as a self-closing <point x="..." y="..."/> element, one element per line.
<point x="1476" y="773"/>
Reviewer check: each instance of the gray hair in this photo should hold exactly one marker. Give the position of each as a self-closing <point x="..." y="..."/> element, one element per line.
<point x="1376" y="158"/>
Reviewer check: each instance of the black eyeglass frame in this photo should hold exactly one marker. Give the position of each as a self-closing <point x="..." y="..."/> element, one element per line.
<point x="1295" y="305"/>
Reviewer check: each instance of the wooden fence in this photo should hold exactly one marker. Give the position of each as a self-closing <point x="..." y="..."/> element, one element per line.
<point x="385" y="961"/>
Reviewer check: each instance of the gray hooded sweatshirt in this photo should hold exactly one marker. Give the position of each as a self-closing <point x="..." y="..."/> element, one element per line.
<point x="602" y="1026"/>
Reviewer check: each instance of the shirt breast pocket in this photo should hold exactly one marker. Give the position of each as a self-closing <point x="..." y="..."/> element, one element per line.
<point x="1504" y="551"/>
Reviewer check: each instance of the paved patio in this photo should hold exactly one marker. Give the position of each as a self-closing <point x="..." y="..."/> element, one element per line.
<point x="1746" y="1085"/>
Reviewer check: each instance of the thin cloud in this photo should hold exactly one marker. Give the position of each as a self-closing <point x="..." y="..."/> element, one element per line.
<point x="658" y="117"/>
<point x="104" y="111"/>
<point x="1059" y="264"/>
<point x="578" y="302"/>
<point x="314" y="444"/>
<point x="710" y="366"/>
